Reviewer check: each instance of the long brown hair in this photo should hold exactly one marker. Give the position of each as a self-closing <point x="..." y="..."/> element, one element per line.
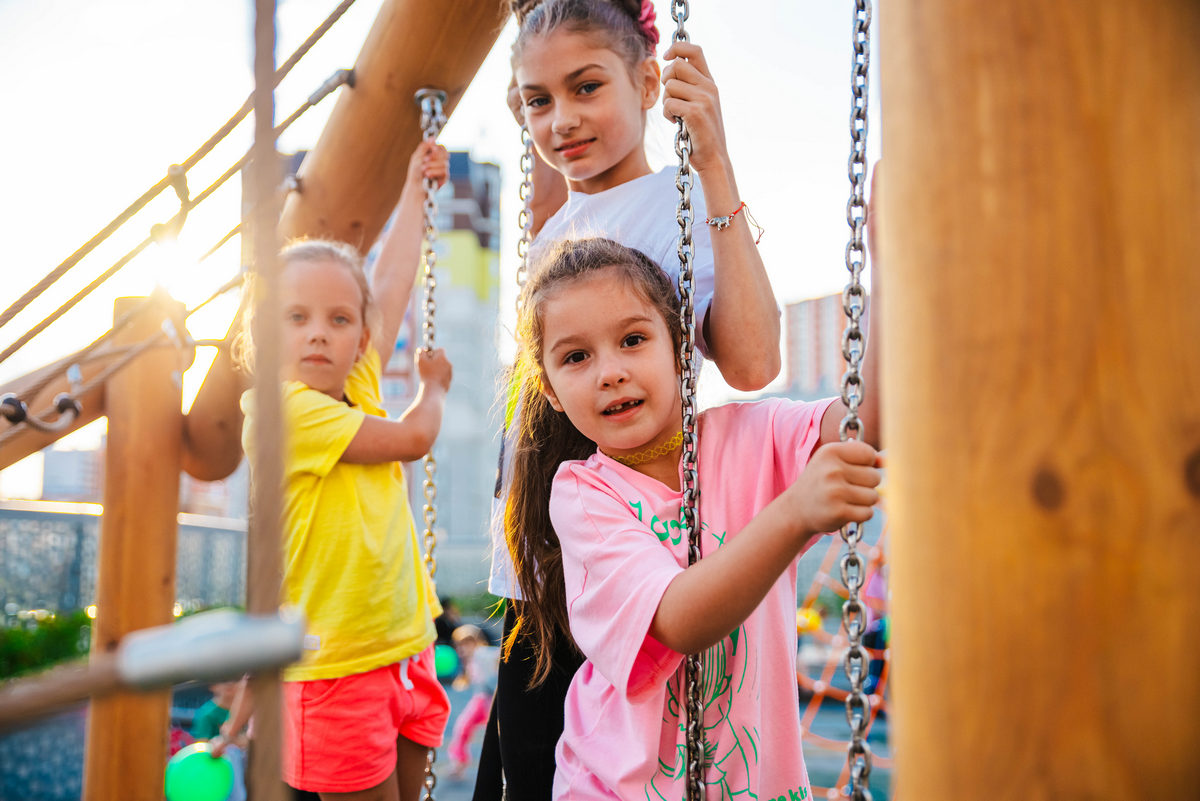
<point x="546" y="438"/>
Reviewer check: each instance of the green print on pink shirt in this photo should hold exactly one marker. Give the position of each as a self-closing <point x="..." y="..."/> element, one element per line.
<point x="724" y="747"/>
<point x="663" y="528"/>
<point x="799" y="794"/>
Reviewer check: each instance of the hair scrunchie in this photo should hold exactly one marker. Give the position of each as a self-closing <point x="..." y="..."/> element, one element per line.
<point x="646" y="21"/>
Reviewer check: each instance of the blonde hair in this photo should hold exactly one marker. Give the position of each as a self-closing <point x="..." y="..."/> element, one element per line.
<point x="469" y="631"/>
<point x="310" y="251"/>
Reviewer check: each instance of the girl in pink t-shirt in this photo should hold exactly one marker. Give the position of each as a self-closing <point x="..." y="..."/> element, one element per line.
<point x="594" y="516"/>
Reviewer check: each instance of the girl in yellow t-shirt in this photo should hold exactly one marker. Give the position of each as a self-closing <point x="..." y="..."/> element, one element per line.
<point x="364" y="704"/>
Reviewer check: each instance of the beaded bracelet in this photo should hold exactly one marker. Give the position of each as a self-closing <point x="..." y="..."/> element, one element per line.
<point x="721" y="223"/>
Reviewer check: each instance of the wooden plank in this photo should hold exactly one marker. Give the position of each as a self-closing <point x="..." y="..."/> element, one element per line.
<point x="39" y="389"/>
<point x="135" y="586"/>
<point x="1041" y="248"/>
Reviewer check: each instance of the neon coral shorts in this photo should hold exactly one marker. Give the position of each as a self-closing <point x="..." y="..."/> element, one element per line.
<point x="340" y="734"/>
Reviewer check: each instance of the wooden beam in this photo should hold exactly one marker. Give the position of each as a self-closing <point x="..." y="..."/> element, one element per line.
<point x="1041" y="245"/>
<point x="89" y="366"/>
<point x="38" y="390"/>
<point x="351" y="180"/>
<point x="135" y="586"/>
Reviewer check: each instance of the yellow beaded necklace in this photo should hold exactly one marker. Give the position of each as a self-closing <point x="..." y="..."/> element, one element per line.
<point x="651" y="453"/>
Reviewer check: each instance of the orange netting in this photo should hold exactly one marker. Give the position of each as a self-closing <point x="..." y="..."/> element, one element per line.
<point x="824" y="647"/>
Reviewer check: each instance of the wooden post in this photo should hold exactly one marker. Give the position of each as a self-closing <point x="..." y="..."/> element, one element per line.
<point x="127" y="733"/>
<point x="351" y="180"/>
<point x="1040" y="248"/>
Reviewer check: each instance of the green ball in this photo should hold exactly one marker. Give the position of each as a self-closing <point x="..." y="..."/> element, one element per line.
<point x="445" y="661"/>
<point x="194" y="775"/>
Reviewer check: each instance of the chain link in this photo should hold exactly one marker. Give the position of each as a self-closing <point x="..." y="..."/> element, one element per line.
<point x="856" y="662"/>
<point x="430" y="775"/>
<point x="432" y="120"/>
<point x="694" y="731"/>
<point x="525" y="217"/>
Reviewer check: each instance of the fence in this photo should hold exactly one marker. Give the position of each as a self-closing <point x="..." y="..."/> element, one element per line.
<point x="48" y="557"/>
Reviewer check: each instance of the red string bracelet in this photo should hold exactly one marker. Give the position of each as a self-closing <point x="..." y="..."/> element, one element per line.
<point x="721" y="223"/>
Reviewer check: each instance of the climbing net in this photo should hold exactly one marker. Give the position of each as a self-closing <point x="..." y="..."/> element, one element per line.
<point x="819" y="672"/>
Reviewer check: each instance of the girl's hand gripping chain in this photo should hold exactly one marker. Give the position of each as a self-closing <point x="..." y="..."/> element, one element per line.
<point x="430" y="160"/>
<point x="838" y="486"/>
<point x="400" y="252"/>
<point x="689" y="93"/>
<point x="434" y="369"/>
<point x="742" y="326"/>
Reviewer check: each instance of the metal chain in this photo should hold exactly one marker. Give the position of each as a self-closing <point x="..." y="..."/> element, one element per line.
<point x="856" y="662"/>
<point x="525" y="217"/>
<point x="432" y="120"/>
<point x="694" y="730"/>
<point x="430" y="775"/>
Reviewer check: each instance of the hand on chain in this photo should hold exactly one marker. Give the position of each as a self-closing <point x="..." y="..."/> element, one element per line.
<point x="836" y="487"/>
<point x="514" y="101"/>
<point x="689" y="93"/>
<point x="434" y="368"/>
<point x="430" y="160"/>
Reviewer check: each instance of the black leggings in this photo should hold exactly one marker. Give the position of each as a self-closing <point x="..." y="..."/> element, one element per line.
<point x="525" y="724"/>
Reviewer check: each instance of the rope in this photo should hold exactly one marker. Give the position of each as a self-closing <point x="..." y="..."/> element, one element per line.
<point x="153" y="192"/>
<point x="45" y="323"/>
<point x="40" y="423"/>
<point x="82" y="354"/>
<point x="88" y="353"/>
<point x="176" y="222"/>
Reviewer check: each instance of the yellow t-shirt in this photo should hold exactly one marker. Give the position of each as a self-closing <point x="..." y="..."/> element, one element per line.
<point x="351" y="555"/>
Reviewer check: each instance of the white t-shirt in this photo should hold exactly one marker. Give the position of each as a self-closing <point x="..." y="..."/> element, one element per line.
<point x="639" y="214"/>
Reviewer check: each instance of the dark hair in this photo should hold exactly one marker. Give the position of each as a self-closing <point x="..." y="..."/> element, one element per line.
<point x="616" y="22"/>
<point x="546" y="437"/>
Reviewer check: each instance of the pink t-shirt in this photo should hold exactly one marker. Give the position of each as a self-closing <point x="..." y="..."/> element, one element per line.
<point x="622" y="545"/>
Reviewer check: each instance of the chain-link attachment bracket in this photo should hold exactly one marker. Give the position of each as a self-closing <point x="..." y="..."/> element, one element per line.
<point x="856" y="660"/>
<point x="16" y="412"/>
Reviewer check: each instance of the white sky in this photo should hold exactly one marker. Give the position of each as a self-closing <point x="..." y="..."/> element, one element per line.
<point x="101" y="97"/>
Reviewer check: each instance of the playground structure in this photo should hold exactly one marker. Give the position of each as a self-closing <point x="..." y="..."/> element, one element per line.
<point x="1043" y="449"/>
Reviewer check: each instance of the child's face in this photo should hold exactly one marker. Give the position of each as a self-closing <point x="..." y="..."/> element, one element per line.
<point x="609" y="363"/>
<point x="585" y="113"/>
<point x="323" y="328"/>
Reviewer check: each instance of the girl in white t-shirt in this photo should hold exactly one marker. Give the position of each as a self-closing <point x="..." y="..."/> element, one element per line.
<point x="586" y="74"/>
<point x="585" y="77"/>
<point x="599" y="343"/>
